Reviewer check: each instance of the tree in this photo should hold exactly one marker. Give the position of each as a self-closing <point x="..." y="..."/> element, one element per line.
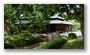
<point x="73" y="12"/>
<point x="76" y="12"/>
<point x="76" y="25"/>
<point x="42" y="12"/>
<point x="37" y="18"/>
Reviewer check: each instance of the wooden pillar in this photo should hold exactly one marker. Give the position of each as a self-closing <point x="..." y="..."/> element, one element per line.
<point x="49" y="28"/>
<point x="68" y="28"/>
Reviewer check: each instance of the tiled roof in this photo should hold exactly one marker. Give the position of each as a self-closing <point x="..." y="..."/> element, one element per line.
<point x="60" y="22"/>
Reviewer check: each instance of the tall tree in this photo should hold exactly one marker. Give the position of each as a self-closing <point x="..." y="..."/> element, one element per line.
<point x="76" y="12"/>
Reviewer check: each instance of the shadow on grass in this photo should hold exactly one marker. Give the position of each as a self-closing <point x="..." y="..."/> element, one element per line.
<point x="74" y="44"/>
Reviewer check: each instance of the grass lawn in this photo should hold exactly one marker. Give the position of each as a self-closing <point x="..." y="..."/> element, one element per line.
<point x="74" y="44"/>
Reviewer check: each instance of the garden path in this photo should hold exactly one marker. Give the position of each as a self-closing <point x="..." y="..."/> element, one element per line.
<point x="32" y="46"/>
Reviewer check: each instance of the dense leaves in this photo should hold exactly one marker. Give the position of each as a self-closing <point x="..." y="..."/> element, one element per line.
<point x="53" y="44"/>
<point x="15" y="41"/>
<point x="40" y="13"/>
<point x="72" y="36"/>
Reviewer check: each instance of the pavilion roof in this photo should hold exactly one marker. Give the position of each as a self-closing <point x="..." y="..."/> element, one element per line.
<point x="54" y="20"/>
<point x="60" y="22"/>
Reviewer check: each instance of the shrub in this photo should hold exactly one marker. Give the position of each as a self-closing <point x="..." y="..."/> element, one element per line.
<point x="53" y="44"/>
<point x="32" y="40"/>
<point x="7" y="45"/>
<point x="9" y="42"/>
<point x="29" y="39"/>
<point x="14" y="41"/>
<point x="41" y="37"/>
<point x="5" y="34"/>
<point x="26" y="34"/>
<point x="72" y="36"/>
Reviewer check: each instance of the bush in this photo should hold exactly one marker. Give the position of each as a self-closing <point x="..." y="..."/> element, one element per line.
<point x="7" y="45"/>
<point x="32" y="40"/>
<point x="53" y="44"/>
<point x="5" y="34"/>
<point x="9" y="42"/>
<point x="26" y="34"/>
<point x="41" y="37"/>
<point x="14" y="41"/>
<point x="29" y="39"/>
<point x="72" y="36"/>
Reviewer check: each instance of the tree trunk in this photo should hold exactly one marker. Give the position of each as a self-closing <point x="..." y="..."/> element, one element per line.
<point x="82" y="26"/>
<point x="82" y="20"/>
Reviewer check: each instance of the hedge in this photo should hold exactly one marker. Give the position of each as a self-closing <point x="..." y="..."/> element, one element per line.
<point x="72" y="36"/>
<point x="53" y="44"/>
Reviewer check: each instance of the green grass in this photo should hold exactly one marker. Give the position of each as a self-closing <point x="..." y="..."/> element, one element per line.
<point x="74" y="44"/>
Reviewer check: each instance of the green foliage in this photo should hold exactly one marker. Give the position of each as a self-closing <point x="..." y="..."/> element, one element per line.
<point x="24" y="34"/>
<point x="42" y="37"/>
<point x="63" y="36"/>
<point x="53" y="44"/>
<point x="76" y="25"/>
<point x="10" y="41"/>
<point x="72" y="36"/>
<point x="74" y="44"/>
<point x="39" y="14"/>
<point x="9" y="14"/>
<point x="36" y="14"/>
<point x="32" y="40"/>
<point x="14" y="41"/>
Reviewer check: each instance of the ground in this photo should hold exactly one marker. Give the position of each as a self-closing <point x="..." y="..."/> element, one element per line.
<point x="32" y="46"/>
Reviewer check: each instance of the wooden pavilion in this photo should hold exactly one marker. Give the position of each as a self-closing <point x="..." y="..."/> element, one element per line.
<point x="58" y="23"/>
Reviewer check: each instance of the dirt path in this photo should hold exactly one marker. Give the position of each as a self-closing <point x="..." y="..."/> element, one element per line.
<point x="32" y="46"/>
